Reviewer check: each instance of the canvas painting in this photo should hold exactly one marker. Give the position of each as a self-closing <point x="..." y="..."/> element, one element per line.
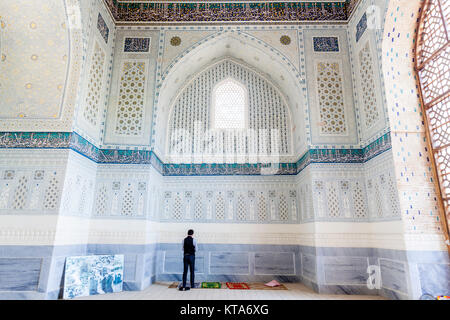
<point x="91" y="275"/>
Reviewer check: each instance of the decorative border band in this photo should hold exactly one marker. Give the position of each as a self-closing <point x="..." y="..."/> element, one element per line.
<point x="231" y="11"/>
<point x="73" y="141"/>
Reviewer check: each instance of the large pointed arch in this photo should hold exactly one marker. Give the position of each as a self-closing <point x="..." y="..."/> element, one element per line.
<point x="268" y="61"/>
<point x="190" y="110"/>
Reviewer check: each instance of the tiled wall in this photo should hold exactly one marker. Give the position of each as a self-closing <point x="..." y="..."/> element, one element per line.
<point x="98" y="54"/>
<point x="231" y="263"/>
<point x="412" y="158"/>
<point x="115" y="208"/>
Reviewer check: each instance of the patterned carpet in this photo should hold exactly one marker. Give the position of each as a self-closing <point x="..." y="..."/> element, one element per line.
<point x="251" y="285"/>
<point x="237" y="286"/>
<point x="160" y="291"/>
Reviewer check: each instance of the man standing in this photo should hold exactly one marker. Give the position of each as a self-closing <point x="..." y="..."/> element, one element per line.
<point x="189" y="248"/>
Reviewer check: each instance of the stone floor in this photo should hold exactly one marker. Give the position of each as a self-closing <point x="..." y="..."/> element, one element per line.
<point x="161" y="291"/>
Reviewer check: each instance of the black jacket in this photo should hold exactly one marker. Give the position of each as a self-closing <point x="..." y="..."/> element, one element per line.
<point x="188" y="246"/>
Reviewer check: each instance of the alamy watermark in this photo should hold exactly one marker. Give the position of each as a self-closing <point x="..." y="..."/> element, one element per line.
<point x="252" y="146"/>
<point x="374" y="279"/>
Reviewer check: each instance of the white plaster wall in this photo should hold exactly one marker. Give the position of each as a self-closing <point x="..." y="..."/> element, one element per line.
<point x="375" y="11"/>
<point x="381" y="185"/>
<point x="83" y="124"/>
<point x="53" y="205"/>
<point x="122" y="208"/>
<point x="31" y="186"/>
<point x="77" y="201"/>
<point x="226" y="199"/>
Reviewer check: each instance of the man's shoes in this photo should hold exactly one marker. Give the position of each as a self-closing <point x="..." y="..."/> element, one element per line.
<point x="187" y="289"/>
<point x="181" y="288"/>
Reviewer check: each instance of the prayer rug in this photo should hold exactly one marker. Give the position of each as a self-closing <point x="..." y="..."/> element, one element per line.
<point x="237" y="286"/>
<point x="178" y="284"/>
<point x="273" y="283"/>
<point x="211" y="285"/>
<point x="262" y="286"/>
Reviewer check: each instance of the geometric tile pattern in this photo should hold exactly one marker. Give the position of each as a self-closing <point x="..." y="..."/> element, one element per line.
<point x="220" y="207"/>
<point x="358" y="202"/>
<point x="241" y="209"/>
<point x="434" y="35"/>
<point x="102" y="28"/>
<point x="366" y="195"/>
<point x="382" y="194"/>
<point x="361" y="27"/>
<point x="95" y="85"/>
<point x="22" y="193"/>
<point x="52" y="195"/>
<point x="128" y="202"/>
<point x="435" y="77"/>
<point x="331" y="104"/>
<point x="101" y="202"/>
<point x="262" y="208"/>
<point x="113" y="200"/>
<point x="237" y="209"/>
<point x="370" y="109"/>
<point x="332" y="199"/>
<point x="283" y="208"/>
<point x="438" y="117"/>
<point x="130" y="109"/>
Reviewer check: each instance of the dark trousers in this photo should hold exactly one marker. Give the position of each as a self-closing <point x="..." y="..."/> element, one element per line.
<point x="188" y="260"/>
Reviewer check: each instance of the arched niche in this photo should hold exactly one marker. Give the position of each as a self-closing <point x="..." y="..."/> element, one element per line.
<point x="242" y="48"/>
<point x="266" y="119"/>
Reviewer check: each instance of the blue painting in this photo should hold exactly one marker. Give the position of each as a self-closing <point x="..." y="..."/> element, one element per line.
<point x="102" y="27"/>
<point x="361" y="27"/>
<point x="91" y="275"/>
<point x="137" y="45"/>
<point x="326" y="44"/>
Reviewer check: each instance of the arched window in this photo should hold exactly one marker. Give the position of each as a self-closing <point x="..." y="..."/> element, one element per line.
<point x="433" y="69"/>
<point x="229" y="99"/>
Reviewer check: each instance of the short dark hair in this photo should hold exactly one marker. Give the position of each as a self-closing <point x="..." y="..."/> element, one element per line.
<point x="190" y="232"/>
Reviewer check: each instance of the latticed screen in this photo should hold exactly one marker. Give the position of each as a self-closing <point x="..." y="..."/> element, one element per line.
<point x="221" y="101"/>
<point x="229" y="105"/>
<point x="433" y="67"/>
